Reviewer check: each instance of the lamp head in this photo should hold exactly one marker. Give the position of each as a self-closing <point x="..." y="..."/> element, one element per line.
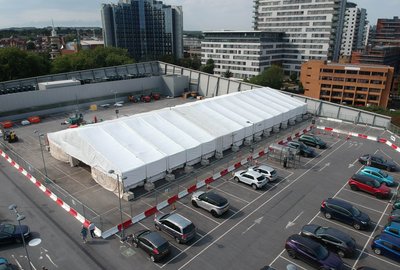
<point x="12" y="207"/>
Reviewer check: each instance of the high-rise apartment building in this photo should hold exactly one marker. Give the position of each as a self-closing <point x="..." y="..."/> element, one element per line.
<point x="387" y="32"/>
<point x="148" y="29"/>
<point x="313" y="27"/>
<point x="244" y="53"/>
<point x="355" y="29"/>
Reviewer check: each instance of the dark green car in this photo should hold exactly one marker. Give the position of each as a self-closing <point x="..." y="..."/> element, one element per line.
<point x="312" y="140"/>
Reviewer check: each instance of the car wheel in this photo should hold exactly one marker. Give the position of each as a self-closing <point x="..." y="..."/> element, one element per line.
<point x="237" y="179"/>
<point x="135" y="244"/>
<point x="354" y="187"/>
<point x="157" y="227"/>
<point x="177" y="240"/>
<point x="195" y="204"/>
<point x="254" y="186"/>
<point x="291" y="253"/>
<point x="377" y="251"/>
<point x="341" y="253"/>
<point x="152" y="258"/>
<point x="214" y="213"/>
<point x="328" y="215"/>
<point x="357" y="226"/>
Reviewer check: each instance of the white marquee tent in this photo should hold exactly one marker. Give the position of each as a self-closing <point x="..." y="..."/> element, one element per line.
<point x="146" y="146"/>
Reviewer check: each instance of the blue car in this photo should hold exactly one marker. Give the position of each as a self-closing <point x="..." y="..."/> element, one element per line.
<point x="379" y="175"/>
<point x="4" y="265"/>
<point x="387" y="245"/>
<point x="392" y="228"/>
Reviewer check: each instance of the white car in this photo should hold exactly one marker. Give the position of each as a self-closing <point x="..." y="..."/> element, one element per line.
<point x="250" y="177"/>
<point x="210" y="201"/>
<point x="265" y="170"/>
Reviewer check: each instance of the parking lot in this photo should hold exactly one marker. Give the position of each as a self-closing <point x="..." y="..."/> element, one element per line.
<point x="252" y="234"/>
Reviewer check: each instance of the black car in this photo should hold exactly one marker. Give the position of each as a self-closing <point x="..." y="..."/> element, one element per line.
<point x="312" y="140"/>
<point x="152" y="243"/>
<point x="305" y="151"/>
<point x="341" y="243"/>
<point x="377" y="162"/>
<point x="345" y="212"/>
<point x="10" y="233"/>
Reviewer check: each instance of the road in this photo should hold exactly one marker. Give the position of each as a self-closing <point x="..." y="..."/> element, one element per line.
<point x="60" y="247"/>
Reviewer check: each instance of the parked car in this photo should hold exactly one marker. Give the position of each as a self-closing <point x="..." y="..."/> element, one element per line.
<point x="312" y="140"/>
<point x="394" y="215"/>
<point x="4" y="264"/>
<point x="379" y="175"/>
<point x="335" y="240"/>
<point x="392" y="228"/>
<point x="10" y="233"/>
<point x="152" y="243"/>
<point x="252" y="178"/>
<point x="312" y="252"/>
<point x="377" y="162"/>
<point x="269" y="172"/>
<point x="210" y="201"/>
<point x="177" y="226"/>
<point x="386" y="245"/>
<point x="304" y="150"/>
<point x="396" y="204"/>
<point x="369" y="185"/>
<point x="345" y="212"/>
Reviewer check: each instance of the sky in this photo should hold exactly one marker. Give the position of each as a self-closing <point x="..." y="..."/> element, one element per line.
<point x="197" y="14"/>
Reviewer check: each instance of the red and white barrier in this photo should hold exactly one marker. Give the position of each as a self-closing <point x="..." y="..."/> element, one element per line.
<point x="49" y="193"/>
<point x="153" y="210"/>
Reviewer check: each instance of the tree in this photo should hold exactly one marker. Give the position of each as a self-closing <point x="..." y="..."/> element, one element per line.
<point x="16" y="64"/>
<point x="293" y="77"/>
<point x="227" y="74"/>
<point x="208" y="67"/>
<point x="271" y="77"/>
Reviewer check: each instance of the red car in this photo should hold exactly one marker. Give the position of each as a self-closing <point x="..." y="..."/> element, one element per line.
<point x="370" y="185"/>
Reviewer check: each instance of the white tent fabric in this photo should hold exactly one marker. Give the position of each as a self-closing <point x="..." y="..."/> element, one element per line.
<point x="144" y="147"/>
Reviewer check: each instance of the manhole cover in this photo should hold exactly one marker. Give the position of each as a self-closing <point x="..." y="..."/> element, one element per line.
<point x="35" y="242"/>
<point x="128" y="252"/>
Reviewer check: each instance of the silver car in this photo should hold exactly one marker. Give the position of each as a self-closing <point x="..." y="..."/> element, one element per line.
<point x="176" y="225"/>
<point x="210" y="201"/>
<point x="269" y="172"/>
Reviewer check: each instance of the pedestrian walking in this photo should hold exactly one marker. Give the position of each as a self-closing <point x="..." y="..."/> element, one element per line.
<point x="84" y="232"/>
<point x="91" y="230"/>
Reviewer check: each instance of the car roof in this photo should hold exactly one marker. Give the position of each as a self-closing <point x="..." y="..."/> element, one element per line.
<point x="390" y="238"/>
<point x="263" y="167"/>
<point x="155" y="238"/>
<point x="253" y="173"/>
<point x="338" y="234"/>
<point x="339" y="202"/>
<point x="304" y="241"/>
<point x="215" y="197"/>
<point x="177" y="219"/>
<point x="363" y="177"/>
<point x="371" y="169"/>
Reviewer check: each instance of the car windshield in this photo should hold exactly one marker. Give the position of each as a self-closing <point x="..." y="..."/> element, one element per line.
<point x="260" y="178"/>
<point x="321" y="252"/>
<point x="8" y="228"/>
<point x="355" y="212"/>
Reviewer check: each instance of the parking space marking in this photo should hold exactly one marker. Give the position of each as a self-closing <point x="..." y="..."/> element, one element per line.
<point x="198" y="212"/>
<point x="360" y="205"/>
<point x="370" y="236"/>
<point x="234" y="196"/>
<point x="364" y="195"/>
<point x="263" y="204"/>
<point x="68" y="176"/>
<point x="343" y="226"/>
<point x="297" y="265"/>
<point x="379" y="258"/>
<point x="242" y="185"/>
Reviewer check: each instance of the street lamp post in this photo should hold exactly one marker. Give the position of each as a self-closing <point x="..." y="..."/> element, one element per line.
<point x="41" y="150"/>
<point x="20" y="217"/>
<point x="119" y="199"/>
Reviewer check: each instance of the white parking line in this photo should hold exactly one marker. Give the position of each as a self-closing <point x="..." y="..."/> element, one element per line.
<point x="365" y="207"/>
<point x="379" y="258"/>
<point x="264" y="203"/>
<point x="229" y="194"/>
<point x="242" y="185"/>
<point x="360" y="193"/>
<point x="198" y="212"/>
<point x="297" y="265"/>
